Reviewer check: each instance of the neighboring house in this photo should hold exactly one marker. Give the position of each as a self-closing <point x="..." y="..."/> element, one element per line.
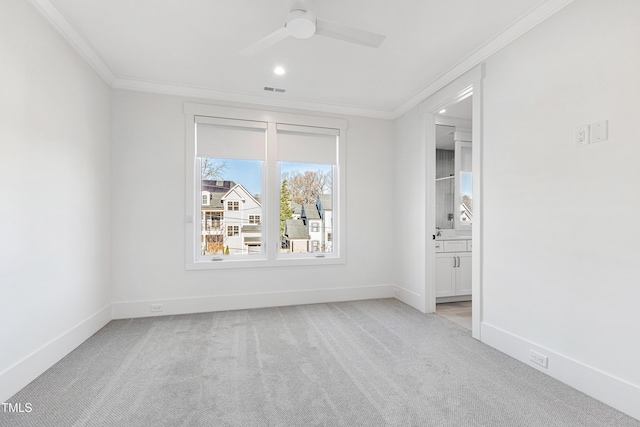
<point x="313" y="222"/>
<point x="231" y="218"/>
<point x="216" y="186"/>
<point x="324" y="205"/>
<point x="317" y="220"/>
<point x="465" y="213"/>
<point x="212" y="220"/>
<point x="297" y="210"/>
<point x="296" y="235"/>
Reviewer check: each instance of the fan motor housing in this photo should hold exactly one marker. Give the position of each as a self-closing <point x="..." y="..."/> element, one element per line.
<point x="301" y="24"/>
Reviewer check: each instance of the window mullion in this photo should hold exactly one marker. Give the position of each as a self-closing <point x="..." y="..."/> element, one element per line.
<point x="272" y="201"/>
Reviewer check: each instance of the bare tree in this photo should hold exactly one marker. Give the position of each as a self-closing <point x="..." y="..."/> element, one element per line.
<point x="306" y="186"/>
<point x="212" y="169"/>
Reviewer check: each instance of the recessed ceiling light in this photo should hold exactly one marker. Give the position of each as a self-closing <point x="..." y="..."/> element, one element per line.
<point x="442" y="111"/>
<point x="279" y="70"/>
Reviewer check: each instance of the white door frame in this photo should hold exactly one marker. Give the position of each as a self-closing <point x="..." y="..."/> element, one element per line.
<point x="470" y="82"/>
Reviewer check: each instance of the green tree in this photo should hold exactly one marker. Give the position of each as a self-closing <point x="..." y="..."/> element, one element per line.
<point x="226" y="251"/>
<point x="286" y="211"/>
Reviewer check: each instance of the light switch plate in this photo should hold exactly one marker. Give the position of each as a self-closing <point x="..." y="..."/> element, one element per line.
<point x="600" y="131"/>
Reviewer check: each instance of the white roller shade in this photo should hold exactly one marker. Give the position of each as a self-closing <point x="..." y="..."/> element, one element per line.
<point x="230" y="139"/>
<point x="302" y="144"/>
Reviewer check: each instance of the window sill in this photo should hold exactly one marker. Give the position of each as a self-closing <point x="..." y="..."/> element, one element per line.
<point x="208" y="264"/>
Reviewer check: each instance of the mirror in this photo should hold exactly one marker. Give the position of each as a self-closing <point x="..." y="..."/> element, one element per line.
<point x="445" y="177"/>
<point x="454" y="175"/>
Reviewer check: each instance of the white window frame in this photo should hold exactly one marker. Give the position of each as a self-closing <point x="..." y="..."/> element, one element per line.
<point x="270" y="217"/>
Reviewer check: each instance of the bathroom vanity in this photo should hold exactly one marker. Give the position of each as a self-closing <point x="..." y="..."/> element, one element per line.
<point x="453" y="268"/>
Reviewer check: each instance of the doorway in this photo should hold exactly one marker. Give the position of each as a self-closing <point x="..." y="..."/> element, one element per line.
<point x="454" y="212"/>
<point x="465" y="91"/>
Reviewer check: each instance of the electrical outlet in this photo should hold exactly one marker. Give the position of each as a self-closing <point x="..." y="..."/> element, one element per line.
<point x="538" y="358"/>
<point x="581" y="136"/>
<point x="156" y="308"/>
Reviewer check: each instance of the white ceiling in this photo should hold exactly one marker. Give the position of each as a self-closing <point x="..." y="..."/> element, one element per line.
<point x="191" y="47"/>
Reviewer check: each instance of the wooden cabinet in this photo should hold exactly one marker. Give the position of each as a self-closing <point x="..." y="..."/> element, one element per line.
<point x="453" y="273"/>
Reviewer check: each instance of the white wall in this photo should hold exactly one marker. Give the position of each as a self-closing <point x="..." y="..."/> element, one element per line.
<point x="409" y="201"/>
<point x="55" y="197"/>
<point x="149" y="211"/>
<point x="560" y="241"/>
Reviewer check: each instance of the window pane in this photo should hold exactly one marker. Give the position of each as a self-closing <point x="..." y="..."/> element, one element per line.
<point x="466" y="186"/>
<point x="306" y="207"/>
<point x="231" y="206"/>
<point x="466" y="197"/>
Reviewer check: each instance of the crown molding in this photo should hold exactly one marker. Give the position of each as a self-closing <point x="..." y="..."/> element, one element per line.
<point x="530" y="20"/>
<point x="195" y="92"/>
<point x="525" y="24"/>
<point x="64" y="27"/>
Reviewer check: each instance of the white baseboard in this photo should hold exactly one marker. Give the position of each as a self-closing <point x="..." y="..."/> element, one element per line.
<point x="131" y="309"/>
<point x="21" y="373"/>
<point x="613" y="391"/>
<point x="410" y="298"/>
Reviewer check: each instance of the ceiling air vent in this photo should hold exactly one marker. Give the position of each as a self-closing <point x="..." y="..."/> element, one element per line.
<point x="274" y="89"/>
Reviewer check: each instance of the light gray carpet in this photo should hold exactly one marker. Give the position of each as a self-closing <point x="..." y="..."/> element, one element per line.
<point x="365" y="363"/>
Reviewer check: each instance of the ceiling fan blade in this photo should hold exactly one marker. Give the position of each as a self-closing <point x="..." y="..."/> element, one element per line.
<point x="266" y="42"/>
<point x="348" y="34"/>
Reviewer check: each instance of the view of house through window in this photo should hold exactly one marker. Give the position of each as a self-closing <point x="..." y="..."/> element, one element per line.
<point x="241" y="166"/>
<point x="306" y="199"/>
<point x="466" y="184"/>
<point x="466" y="197"/>
<point x="231" y="206"/>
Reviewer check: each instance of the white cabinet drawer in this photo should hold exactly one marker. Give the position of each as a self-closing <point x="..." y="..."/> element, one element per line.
<point x="439" y="246"/>
<point x="455" y="245"/>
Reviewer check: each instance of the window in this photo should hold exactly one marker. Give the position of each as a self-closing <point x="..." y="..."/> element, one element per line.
<point x="308" y="162"/>
<point x="464" y="181"/>
<point x="239" y="160"/>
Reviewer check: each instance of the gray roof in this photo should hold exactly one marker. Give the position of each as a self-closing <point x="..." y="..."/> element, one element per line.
<point x="310" y="211"/>
<point x="251" y="228"/>
<point x="295" y="229"/>
<point x="326" y="201"/>
<point x="216" y="186"/>
<point x="215" y="202"/>
<point x="296" y="208"/>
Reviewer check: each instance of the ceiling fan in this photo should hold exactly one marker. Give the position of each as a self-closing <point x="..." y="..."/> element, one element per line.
<point x="302" y="24"/>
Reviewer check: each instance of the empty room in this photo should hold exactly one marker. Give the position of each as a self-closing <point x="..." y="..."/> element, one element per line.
<point x="295" y="213"/>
